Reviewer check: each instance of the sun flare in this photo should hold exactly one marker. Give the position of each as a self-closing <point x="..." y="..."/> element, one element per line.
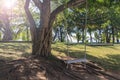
<point x="9" y="3"/>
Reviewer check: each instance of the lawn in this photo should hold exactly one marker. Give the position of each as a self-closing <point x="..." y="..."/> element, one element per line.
<point x="106" y="56"/>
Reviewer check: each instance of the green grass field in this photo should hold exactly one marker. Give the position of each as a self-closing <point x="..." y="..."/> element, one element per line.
<point x="106" y="56"/>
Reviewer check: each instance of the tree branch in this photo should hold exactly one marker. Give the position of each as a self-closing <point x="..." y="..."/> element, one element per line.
<point x="38" y="3"/>
<point x="30" y="19"/>
<point x="71" y="3"/>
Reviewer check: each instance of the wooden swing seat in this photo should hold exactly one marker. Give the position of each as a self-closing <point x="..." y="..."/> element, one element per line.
<point x="75" y="61"/>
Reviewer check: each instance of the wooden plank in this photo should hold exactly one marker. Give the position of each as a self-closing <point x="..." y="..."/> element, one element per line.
<point x="75" y="61"/>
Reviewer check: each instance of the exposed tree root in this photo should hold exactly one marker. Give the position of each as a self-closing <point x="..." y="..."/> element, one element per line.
<point x="50" y="69"/>
<point x="98" y="70"/>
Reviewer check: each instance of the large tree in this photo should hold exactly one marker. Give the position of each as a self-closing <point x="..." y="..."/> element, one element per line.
<point x="41" y="34"/>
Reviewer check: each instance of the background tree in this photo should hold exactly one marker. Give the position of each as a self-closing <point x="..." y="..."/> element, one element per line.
<point x="13" y="22"/>
<point x="5" y="19"/>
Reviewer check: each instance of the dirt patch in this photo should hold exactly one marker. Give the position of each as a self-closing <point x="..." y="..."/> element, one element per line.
<point x="51" y="69"/>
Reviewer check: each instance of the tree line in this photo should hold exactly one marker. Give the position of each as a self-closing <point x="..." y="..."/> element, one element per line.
<point x="102" y="22"/>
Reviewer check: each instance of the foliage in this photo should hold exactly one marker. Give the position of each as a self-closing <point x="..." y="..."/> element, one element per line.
<point x="101" y="15"/>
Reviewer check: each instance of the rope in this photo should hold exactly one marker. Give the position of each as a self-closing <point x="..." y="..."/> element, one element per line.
<point x="85" y="31"/>
<point x="67" y="45"/>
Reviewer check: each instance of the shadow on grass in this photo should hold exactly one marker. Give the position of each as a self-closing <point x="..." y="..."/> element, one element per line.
<point x="26" y="55"/>
<point x="11" y="51"/>
<point x="112" y="62"/>
<point x="109" y="47"/>
<point x="4" y="58"/>
<point x="14" y="46"/>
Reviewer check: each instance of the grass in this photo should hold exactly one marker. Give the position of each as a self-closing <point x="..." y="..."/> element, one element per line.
<point x="106" y="56"/>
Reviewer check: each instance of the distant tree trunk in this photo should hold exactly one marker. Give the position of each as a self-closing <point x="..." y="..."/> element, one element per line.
<point x="8" y="35"/>
<point x="83" y="35"/>
<point x="61" y="35"/>
<point x="90" y="33"/>
<point x="113" y="35"/>
<point x="117" y="37"/>
<point x="41" y="36"/>
<point x="78" y="35"/>
<point x="100" y="36"/>
<point x="106" y="33"/>
<point x="90" y="37"/>
<point x="56" y="34"/>
<point x="108" y="36"/>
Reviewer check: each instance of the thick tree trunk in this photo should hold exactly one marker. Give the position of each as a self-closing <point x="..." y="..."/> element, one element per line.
<point x="42" y="42"/>
<point x="42" y="46"/>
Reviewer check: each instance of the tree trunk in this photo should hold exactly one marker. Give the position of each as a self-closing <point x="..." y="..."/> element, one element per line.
<point x="83" y="35"/>
<point x="107" y="35"/>
<point x="61" y="35"/>
<point x="100" y="36"/>
<point x="42" y="43"/>
<point x="117" y="37"/>
<point x="42" y="46"/>
<point x="8" y="35"/>
<point x="90" y="36"/>
<point x="56" y="34"/>
<point x="113" y="34"/>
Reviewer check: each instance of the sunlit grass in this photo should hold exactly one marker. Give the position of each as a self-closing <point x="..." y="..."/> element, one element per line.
<point x="106" y="56"/>
<point x="97" y="51"/>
